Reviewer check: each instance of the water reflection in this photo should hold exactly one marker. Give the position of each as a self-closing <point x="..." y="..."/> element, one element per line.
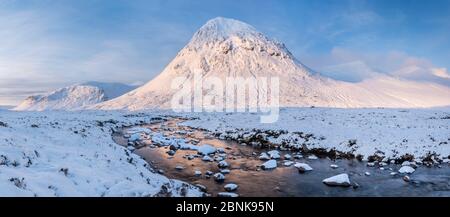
<point x="282" y="181"/>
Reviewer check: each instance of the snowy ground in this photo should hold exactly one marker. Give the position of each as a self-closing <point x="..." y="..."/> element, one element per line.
<point x="385" y="133"/>
<point x="73" y="154"/>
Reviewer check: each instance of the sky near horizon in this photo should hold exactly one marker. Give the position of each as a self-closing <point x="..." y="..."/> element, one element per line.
<point x="48" y="44"/>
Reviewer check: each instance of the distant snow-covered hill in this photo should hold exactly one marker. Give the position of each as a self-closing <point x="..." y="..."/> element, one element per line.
<point x="230" y="48"/>
<point x="74" y="97"/>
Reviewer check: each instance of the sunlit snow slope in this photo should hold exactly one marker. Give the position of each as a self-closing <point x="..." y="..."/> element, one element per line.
<point x="226" y="47"/>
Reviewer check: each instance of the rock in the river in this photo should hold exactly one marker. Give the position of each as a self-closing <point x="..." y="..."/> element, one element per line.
<point x="179" y="167"/>
<point x="209" y="173"/>
<point x="411" y="164"/>
<point x="338" y="180"/>
<point x="382" y="164"/>
<point x="131" y="148"/>
<point x="271" y="164"/>
<point x="173" y="147"/>
<point x="225" y="171"/>
<point x="406" y="169"/>
<point x="288" y="163"/>
<point x="230" y="187"/>
<point x="227" y="194"/>
<point x="219" y="177"/>
<point x="220" y="150"/>
<point x="206" y="149"/>
<point x="222" y="155"/>
<point x="135" y="137"/>
<point x="393" y="173"/>
<point x="406" y="163"/>
<point x="218" y="158"/>
<point x="264" y="156"/>
<point x="190" y="157"/>
<point x="161" y="171"/>
<point x="302" y="167"/>
<point x="274" y="154"/>
<point x="313" y="157"/>
<point x="367" y="173"/>
<point x="371" y="164"/>
<point x="222" y="164"/>
<point x="334" y="166"/>
<point x="198" y="173"/>
<point x="171" y="152"/>
<point x="298" y="156"/>
<point x="287" y="157"/>
<point x="201" y="187"/>
<point x="406" y="178"/>
<point x="207" y="158"/>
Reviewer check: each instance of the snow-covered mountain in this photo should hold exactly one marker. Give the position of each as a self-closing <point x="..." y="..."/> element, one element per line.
<point x="74" y="97"/>
<point x="229" y="48"/>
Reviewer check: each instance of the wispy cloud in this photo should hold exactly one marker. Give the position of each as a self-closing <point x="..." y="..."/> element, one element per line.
<point x="351" y="65"/>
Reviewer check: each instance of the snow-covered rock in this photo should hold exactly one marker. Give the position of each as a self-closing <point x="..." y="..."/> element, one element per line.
<point x="230" y="187"/>
<point x="312" y="157"/>
<point x="270" y="164"/>
<point x="222" y="164"/>
<point x="264" y="156"/>
<point x="406" y="169"/>
<point x="225" y="171"/>
<point x="207" y="158"/>
<point x="274" y="154"/>
<point x="371" y="164"/>
<point x="302" y="167"/>
<point x="219" y="177"/>
<point x="338" y="180"/>
<point x="334" y="166"/>
<point x="206" y="149"/>
<point x="227" y="194"/>
<point x="287" y="157"/>
<point x="288" y="163"/>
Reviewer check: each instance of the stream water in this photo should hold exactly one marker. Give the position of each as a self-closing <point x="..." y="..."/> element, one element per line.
<point x="282" y="181"/>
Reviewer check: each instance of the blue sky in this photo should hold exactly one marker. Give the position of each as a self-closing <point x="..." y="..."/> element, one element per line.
<point x="48" y="44"/>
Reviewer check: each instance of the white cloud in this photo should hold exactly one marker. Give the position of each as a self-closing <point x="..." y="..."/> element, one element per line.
<point x="441" y="72"/>
<point x="350" y="65"/>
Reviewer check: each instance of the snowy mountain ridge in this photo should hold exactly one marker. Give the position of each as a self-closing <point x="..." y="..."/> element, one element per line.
<point x="229" y="48"/>
<point x="74" y="96"/>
